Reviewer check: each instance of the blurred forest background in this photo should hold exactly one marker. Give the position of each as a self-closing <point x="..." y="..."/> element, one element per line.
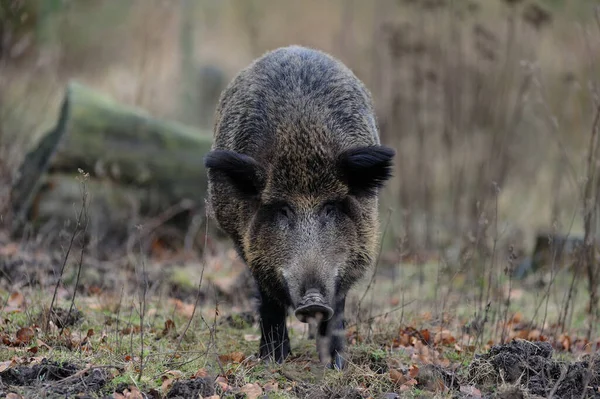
<point x="490" y="104"/>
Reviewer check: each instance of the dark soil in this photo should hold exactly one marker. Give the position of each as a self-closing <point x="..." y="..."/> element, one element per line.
<point x="27" y="269"/>
<point x="124" y="388"/>
<point x="62" y="318"/>
<point x="52" y="379"/>
<point x="199" y="387"/>
<point x="240" y="320"/>
<point x="530" y="364"/>
<point x="181" y="389"/>
<point x="324" y="392"/>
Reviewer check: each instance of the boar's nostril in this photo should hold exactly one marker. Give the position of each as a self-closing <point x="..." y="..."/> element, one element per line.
<point x="313" y="306"/>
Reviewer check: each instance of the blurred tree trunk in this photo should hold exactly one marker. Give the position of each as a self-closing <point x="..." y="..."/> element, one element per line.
<point x="45" y="29"/>
<point x="188" y="79"/>
<point x="346" y="34"/>
<point x="249" y="14"/>
<point x="114" y="142"/>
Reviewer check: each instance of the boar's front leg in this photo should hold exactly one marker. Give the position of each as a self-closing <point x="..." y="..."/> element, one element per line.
<point x="274" y="340"/>
<point x="331" y="336"/>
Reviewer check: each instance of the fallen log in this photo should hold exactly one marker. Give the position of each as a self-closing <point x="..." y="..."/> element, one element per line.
<point x="110" y="207"/>
<point x="117" y="143"/>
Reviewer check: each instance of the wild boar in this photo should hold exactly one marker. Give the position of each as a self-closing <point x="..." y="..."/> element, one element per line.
<point x="294" y="178"/>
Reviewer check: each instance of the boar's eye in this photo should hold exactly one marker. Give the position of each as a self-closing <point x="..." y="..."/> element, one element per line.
<point x="328" y="210"/>
<point x="285" y="212"/>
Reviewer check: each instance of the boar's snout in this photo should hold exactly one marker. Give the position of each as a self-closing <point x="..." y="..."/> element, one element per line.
<point x="313" y="306"/>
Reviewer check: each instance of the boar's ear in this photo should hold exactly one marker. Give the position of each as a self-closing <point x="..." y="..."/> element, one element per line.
<point x="366" y="169"/>
<point x="242" y="171"/>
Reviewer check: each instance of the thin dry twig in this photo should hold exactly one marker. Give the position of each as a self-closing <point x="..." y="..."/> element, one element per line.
<point x="142" y="311"/>
<point x="64" y="264"/>
<point x="374" y="275"/>
<point x="196" y="301"/>
<point x="84" y="198"/>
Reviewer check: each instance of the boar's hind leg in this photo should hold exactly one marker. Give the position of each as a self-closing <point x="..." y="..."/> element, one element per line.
<point x="274" y="341"/>
<point x="331" y="337"/>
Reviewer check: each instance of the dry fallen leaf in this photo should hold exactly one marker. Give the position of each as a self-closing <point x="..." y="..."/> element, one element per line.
<point x="397" y="377"/>
<point x="425" y="336"/>
<point x="6" y="365"/>
<point x="517" y="317"/>
<point x="251" y="337"/>
<point x="233" y="357"/>
<point x="166" y="384"/>
<point x="565" y="341"/>
<point x="201" y="373"/>
<point x="35" y="360"/>
<point x="413" y="371"/>
<point x="271" y="386"/>
<point x="444" y="337"/>
<point x="169" y="326"/>
<point x="173" y="373"/>
<point x="471" y="391"/>
<point x="24" y="335"/>
<point x="12" y="395"/>
<point x="223" y="383"/>
<point x="408" y="385"/>
<point x="252" y="391"/>
<point x="6" y="340"/>
<point x="133" y="393"/>
<point x="16" y="300"/>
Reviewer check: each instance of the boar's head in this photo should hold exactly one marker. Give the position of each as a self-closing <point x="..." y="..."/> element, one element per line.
<point x="311" y="217"/>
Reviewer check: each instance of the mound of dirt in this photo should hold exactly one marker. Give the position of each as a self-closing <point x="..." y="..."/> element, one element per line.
<point x="51" y="378"/>
<point x="239" y="320"/>
<point x="530" y="364"/>
<point x="196" y="388"/>
<point x="313" y="391"/>
<point x="62" y="317"/>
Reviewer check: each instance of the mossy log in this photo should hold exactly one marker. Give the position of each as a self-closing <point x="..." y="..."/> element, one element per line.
<point x="110" y="207"/>
<point x="119" y="143"/>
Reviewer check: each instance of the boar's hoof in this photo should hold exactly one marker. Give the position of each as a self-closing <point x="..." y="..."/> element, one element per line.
<point x="276" y="352"/>
<point x="313" y="306"/>
<point x="330" y="358"/>
<point x="338" y="363"/>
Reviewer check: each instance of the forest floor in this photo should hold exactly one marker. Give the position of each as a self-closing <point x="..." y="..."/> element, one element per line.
<point x="132" y="331"/>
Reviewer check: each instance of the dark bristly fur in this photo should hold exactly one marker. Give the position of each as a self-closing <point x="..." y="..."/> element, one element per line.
<point x="293" y="180"/>
<point x="365" y="170"/>
<point x="242" y="171"/>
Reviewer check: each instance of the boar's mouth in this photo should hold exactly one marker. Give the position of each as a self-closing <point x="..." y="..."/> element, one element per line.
<point x="313" y="306"/>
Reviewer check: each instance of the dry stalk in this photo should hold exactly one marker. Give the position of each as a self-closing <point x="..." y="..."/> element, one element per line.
<point x="142" y="305"/>
<point x="117" y="335"/>
<point x="64" y="264"/>
<point x="84" y="196"/>
<point x="509" y="270"/>
<point x="374" y="274"/>
<point x="129" y="324"/>
<point x="197" y="300"/>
